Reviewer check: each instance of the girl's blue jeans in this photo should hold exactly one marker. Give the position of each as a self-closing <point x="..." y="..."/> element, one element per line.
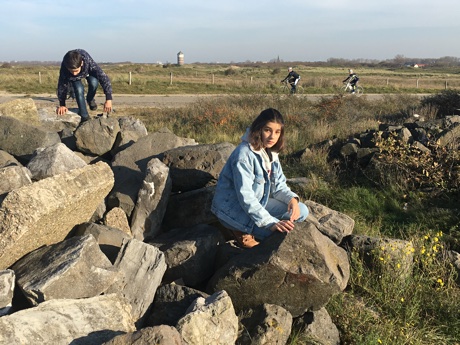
<point x="278" y="210"/>
<point x="79" y="90"/>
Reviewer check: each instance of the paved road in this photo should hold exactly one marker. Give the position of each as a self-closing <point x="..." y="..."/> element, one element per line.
<point x="160" y="101"/>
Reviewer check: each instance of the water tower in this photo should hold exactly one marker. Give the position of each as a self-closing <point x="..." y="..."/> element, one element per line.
<point x="180" y="58"/>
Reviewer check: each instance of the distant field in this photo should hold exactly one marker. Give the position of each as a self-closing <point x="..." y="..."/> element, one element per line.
<point x="215" y="79"/>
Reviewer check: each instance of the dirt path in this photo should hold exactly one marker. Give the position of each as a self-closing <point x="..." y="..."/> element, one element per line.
<point x="124" y="100"/>
<point x="168" y="101"/>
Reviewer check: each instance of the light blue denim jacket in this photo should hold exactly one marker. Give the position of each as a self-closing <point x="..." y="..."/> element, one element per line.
<point x="244" y="187"/>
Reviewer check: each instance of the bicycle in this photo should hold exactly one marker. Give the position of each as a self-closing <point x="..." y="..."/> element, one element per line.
<point x="347" y="88"/>
<point x="287" y="88"/>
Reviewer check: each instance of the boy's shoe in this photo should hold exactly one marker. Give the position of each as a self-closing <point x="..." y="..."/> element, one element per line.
<point x="244" y="240"/>
<point x="92" y="105"/>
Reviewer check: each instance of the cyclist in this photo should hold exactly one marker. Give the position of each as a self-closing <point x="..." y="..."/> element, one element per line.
<point x="353" y="79"/>
<point x="293" y="78"/>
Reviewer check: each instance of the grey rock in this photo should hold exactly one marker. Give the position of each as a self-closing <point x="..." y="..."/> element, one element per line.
<point x="44" y="212"/>
<point x="349" y="149"/>
<point x="109" y="239"/>
<point x="53" y="160"/>
<point x="23" y="110"/>
<point x="449" y="135"/>
<point x="189" y="253"/>
<point x="158" y="335"/>
<point x="68" y="321"/>
<point x="7" y="283"/>
<point x="152" y="201"/>
<point x="210" y="321"/>
<point x="171" y="303"/>
<point x="142" y="267"/>
<point x="319" y="326"/>
<point x="97" y="136"/>
<point x="266" y="324"/>
<point x="333" y="224"/>
<point x="129" y="166"/>
<point x="131" y="129"/>
<point x="189" y="208"/>
<point x="197" y="166"/>
<point x="13" y="177"/>
<point x="7" y="160"/>
<point x="74" y="268"/>
<point x="116" y="218"/>
<point x="58" y="123"/>
<point x="394" y="253"/>
<point x="22" y="139"/>
<point x="298" y="271"/>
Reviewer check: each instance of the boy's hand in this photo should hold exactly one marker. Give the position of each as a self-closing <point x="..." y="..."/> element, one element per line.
<point x="61" y="110"/>
<point x="108" y="106"/>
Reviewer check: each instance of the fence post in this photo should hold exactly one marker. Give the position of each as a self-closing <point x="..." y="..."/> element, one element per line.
<point x="39" y="77"/>
<point x="388" y="81"/>
<point x="213" y="79"/>
<point x="251" y="79"/>
<point x="417" y="84"/>
<point x="446" y="85"/>
<point x="129" y="78"/>
<point x="170" y="78"/>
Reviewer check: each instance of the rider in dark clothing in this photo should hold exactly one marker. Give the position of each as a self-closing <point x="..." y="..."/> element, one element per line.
<point x="293" y="78"/>
<point x="353" y="79"/>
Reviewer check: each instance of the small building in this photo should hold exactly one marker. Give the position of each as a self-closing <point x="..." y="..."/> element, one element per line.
<point x="180" y="58"/>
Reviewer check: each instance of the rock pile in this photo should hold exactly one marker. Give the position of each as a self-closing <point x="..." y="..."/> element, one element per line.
<point x="106" y="237"/>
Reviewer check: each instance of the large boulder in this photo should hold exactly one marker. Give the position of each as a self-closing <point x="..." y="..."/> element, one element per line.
<point x="171" y="303"/>
<point x="299" y="271"/>
<point x="190" y="253"/>
<point x="74" y="268"/>
<point x="53" y="160"/>
<point x="129" y="166"/>
<point x="68" y="321"/>
<point x="210" y="320"/>
<point x="141" y="268"/>
<point x="158" y="335"/>
<point x="131" y="129"/>
<point x="152" y="201"/>
<point x="13" y="177"/>
<point x="97" y="136"/>
<point x="44" y="212"/>
<point x="22" y="109"/>
<point x="22" y="139"/>
<point x="196" y="166"/>
<point x="265" y="324"/>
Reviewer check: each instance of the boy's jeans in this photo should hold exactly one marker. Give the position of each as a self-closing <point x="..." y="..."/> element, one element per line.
<point x="79" y="90"/>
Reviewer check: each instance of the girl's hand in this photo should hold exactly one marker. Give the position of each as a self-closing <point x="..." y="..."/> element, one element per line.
<point x="293" y="209"/>
<point x="283" y="226"/>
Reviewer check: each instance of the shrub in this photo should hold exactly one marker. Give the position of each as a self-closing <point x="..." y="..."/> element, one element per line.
<point x="447" y="102"/>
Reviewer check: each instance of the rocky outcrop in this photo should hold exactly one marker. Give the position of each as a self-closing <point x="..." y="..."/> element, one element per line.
<point x="67" y="234"/>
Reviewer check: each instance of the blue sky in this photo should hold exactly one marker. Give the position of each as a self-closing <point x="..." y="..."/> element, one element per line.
<point x="229" y="31"/>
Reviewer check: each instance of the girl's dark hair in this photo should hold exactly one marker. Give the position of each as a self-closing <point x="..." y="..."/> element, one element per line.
<point x="255" y="131"/>
<point x="72" y="59"/>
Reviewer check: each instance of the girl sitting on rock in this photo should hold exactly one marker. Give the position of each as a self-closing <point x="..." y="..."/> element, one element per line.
<point x="252" y="199"/>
